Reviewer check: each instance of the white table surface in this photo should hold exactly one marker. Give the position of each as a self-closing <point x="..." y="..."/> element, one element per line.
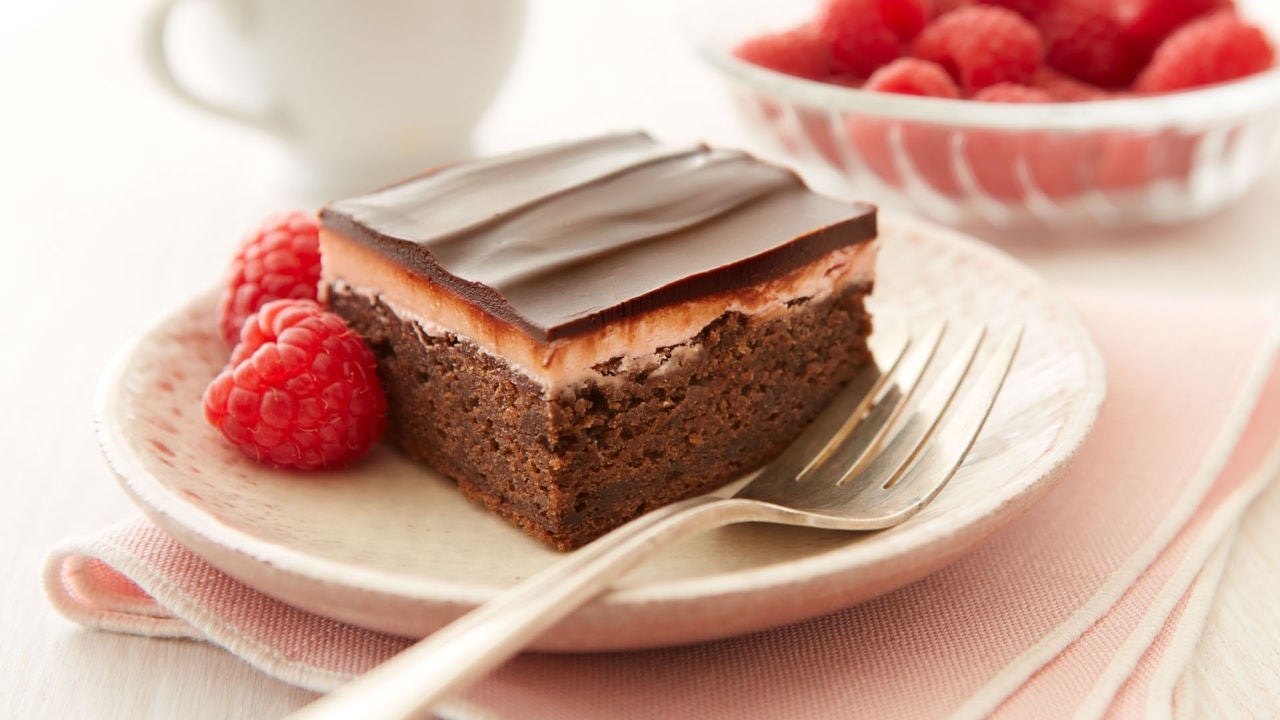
<point x="117" y="203"/>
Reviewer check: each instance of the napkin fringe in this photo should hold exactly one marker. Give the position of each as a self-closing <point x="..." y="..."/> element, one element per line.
<point x="147" y="604"/>
<point x="1162" y="698"/>
<point x="1016" y="674"/>
<point x="63" y="578"/>
<point x="1218" y="533"/>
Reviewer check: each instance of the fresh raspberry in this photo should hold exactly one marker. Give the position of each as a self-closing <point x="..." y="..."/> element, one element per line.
<point x="912" y="76"/>
<point x="906" y="18"/>
<point x="1213" y="49"/>
<point x="1028" y="9"/>
<point x="1065" y="88"/>
<point x="301" y="390"/>
<point x="804" y="52"/>
<point x="1151" y="21"/>
<point x="1086" y="40"/>
<point x="1012" y="93"/>
<point x="982" y="46"/>
<point x="868" y="34"/>
<point x="280" y="260"/>
<point x="934" y="8"/>
<point x="860" y="53"/>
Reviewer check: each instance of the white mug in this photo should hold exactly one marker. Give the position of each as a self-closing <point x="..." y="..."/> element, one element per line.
<point x="365" y="91"/>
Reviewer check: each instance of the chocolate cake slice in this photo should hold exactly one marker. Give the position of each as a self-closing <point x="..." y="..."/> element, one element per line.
<point x="581" y="332"/>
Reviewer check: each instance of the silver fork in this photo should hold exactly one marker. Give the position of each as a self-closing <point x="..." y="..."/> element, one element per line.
<point x="871" y="460"/>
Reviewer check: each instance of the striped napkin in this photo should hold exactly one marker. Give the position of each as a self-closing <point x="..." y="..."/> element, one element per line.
<point x="1088" y="605"/>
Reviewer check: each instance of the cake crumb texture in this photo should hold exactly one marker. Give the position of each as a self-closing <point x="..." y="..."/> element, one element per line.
<point x="568" y="468"/>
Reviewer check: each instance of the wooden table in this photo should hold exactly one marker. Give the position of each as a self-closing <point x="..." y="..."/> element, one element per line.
<point x="118" y="203"/>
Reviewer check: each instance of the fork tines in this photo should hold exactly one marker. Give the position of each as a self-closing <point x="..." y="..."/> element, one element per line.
<point x="897" y="433"/>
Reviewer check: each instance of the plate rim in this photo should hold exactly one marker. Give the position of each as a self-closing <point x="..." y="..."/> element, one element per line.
<point x="166" y="506"/>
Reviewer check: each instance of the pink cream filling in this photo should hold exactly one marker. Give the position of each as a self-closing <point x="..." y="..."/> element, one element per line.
<point x="350" y="266"/>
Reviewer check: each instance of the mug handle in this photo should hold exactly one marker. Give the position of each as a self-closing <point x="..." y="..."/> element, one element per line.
<point x="157" y="61"/>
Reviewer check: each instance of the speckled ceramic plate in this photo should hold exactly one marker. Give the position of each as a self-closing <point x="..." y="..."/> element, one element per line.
<point x="390" y="545"/>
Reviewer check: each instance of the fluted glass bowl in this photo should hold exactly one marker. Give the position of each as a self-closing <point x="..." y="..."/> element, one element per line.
<point x="1143" y="161"/>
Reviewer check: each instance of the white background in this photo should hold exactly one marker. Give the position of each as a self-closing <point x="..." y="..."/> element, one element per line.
<point x="117" y="203"/>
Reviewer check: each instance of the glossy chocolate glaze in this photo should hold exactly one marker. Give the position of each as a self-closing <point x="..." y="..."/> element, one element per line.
<point x="563" y="239"/>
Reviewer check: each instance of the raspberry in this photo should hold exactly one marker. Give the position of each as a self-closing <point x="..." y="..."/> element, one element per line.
<point x="1086" y="40"/>
<point x="942" y="7"/>
<point x="906" y="18"/>
<point x="1151" y="21"/>
<point x="982" y="46"/>
<point x="912" y="76"/>
<point x="868" y="34"/>
<point x="803" y="52"/>
<point x="1012" y="93"/>
<point x="1028" y="9"/>
<point x="1213" y="49"/>
<point x="861" y="53"/>
<point x="280" y="260"/>
<point x="1065" y="88"/>
<point x="301" y="390"/>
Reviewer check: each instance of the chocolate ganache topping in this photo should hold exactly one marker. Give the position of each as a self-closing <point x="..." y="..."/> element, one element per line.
<point x="563" y="239"/>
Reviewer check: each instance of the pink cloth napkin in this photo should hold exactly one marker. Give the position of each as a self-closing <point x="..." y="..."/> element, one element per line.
<point x="1088" y="605"/>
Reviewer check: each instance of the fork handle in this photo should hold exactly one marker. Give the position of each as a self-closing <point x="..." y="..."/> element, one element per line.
<point x="410" y="683"/>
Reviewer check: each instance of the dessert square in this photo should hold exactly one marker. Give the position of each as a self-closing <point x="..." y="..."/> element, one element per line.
<point x="578" y="333"/>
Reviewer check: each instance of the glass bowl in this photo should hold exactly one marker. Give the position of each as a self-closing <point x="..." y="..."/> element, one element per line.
<point x="1154" y="160"/>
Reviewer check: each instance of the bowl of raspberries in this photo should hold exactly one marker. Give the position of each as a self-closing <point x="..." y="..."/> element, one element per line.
<point x="1013" y="114"/>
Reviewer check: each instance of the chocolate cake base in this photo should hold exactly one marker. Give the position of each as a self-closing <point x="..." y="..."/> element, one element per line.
<point x="570" y="467"/>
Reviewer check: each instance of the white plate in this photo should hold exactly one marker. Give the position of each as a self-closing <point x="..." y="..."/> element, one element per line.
<point x="391" y="546"/>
